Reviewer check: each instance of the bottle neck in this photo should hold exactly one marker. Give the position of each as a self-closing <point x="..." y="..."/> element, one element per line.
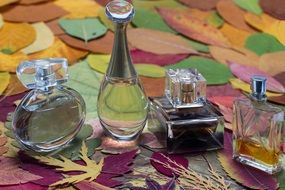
<point x="258" y="97"/>
<point x="120" y="65"/>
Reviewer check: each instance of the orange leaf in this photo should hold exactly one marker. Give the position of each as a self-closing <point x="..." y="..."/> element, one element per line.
<point x="262" y="22"/>
<point x="158" y="42"/>
<point x="233" y="14"/>
<point x="272" y="63"/>
<point x="10" y="62"/>
<point x="59" y="49"/>
<point x="240" y="56"/>
<point x="153" y="86"/>
<point x="82" y="9"/>
<point x="236" y="36"/>
<point x="192" y="27"/>
<point x="14" y="87"/>
<point x="16" y="36"/>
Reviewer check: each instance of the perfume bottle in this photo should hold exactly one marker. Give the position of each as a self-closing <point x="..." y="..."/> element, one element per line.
<point x="258" y="130"/>
<point x="50" y="115"/>
<point x="190" y="123"/>
<point x="122" y="104"/>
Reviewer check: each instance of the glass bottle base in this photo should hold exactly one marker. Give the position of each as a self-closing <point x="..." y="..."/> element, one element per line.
<point x="270" y="169"/>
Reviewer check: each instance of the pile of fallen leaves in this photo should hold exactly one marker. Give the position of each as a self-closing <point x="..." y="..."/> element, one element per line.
<point x="226" y="40"/>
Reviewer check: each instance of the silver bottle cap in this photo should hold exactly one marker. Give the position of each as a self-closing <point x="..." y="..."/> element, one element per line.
<point x="120" y="11"/>
<point x="258" y="87"/>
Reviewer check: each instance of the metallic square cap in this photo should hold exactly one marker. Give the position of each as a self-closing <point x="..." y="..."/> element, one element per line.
<point x="258" y="87"/>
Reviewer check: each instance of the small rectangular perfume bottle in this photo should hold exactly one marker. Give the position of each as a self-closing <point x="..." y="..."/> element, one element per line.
<point x="258" y="130"/>
<point x="190" y="122"/>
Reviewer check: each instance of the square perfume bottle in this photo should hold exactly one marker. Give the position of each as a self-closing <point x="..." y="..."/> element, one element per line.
<point x="190" y="126"/>
<point x="258" y="129"/>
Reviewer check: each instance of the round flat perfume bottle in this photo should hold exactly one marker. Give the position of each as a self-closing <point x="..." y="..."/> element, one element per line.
<point x="122" y="104"/>
<point x="50" y="115"/>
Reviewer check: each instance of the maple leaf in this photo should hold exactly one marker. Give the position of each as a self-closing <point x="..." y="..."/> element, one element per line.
<point x="151" y="185"/>
<point x="91" y="169"/>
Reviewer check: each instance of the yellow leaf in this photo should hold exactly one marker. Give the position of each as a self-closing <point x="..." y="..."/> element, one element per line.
<point x="272" y="63"/>
<point x="238" y="84"/>
<point x="43" y="40"/>
<point x="1" y="21"/>
<point x="262" y="22"/>
<point x="6" y="2"/>
<point x="277" y="29"/>
<point x="10" y="62"/>
<point x="16" y="36"/>
<point x="82" y="9"/>
<point x="14" y="87"/>
<point x="59" y="49"/>
<point x="91" y="169"/>
<point x="4" y="78"/>
<point x="236" y="36"/>
<point x="108" y="23"/>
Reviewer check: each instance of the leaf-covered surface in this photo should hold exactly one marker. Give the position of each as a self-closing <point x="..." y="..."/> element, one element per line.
<point x="245" y="175"/>
<point x="251" y="6"/>
<point x="152" y="184"/>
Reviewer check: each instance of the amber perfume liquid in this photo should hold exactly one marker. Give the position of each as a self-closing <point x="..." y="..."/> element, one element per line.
<point x="122" y="108"/>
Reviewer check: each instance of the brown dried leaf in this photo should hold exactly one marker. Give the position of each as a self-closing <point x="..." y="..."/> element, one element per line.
<point x="100" y="45"/>
<point x="55" y="28"/>
<point x="158" y="42"/>
<point x="153" y="86"/>
<point x="275" y="8"/>
<point x="15" y="86"/>
<point x="34" y="13"/>
<point x="233" y="14"/>
<point x="240" y="56"/>
<point x="28" y="2"/>
<point x="192" y="27"/>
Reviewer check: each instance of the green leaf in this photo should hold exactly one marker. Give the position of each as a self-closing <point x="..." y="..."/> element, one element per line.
<point x="197" y="45"/>
<point x="249" y="5"/>
<point x="281" y="177"/>
<point x="214" y="72"/>
<point x="72" y="151"/>
<point x="85" y="29"/>
<point x="100" y="64"/>
<point x="157" y="3"/>
<point x="150" y="19"/>
<point x="87" y="82"/>
<point x="108" y="23"/>
<point x="215" y="20"/>
<point x="262" y="43"/>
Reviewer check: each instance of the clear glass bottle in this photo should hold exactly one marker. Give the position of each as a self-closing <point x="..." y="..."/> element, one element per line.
<point x="50" y="115"/>
<point x="258" y="130"/>
<point x="122" y="104"/>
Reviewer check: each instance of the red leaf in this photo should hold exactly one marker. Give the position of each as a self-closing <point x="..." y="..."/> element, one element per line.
<point x="139" y="56"/>
<point x="243" y="174"/>
<point x="226" y="101"/>
<point x="227" y="90"/>
<point x="26" y="186"/>
<point x="165" y="171"/>
<point x="88" y="185"/>
<point x="11" y="174"/>
<point x="153" y="185"/>
<point x="245" y="73"/>
<point x="154" y="141"/>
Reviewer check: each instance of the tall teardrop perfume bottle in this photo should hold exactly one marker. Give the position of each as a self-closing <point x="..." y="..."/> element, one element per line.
<point x="50" y="115"/>
<point x="258" y="130"/>
<point x="122" y="104"/>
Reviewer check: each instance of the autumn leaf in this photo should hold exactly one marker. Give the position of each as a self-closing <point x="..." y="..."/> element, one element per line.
<point x="152" y="184"/>
<point x="28" y="2"/>
<point x="1" y="21"/>
<point x="246" y="72"/>
<point x="16" y="36"/>
<point x="14" y="87"/>
<point x="241" y="56"/>
<point x="192" y="27"/>
<point x="91" y="169"/>
<point x="272" y="63"/>
<point x="238" y="84"/>
<point x="3" y="141"/>
<point x="10" y="62"/>
<point x="233" y="14"/>
<point x="261" y="22"/>
<point x="37" y="13"/>
<point x="59" y="49"/>
<point x="158" y="42"/>
<point x="245" y="175"/>
<point x="85" y="8"/>
<point x="236" y="36"/>
<point x="205" y="5"/>
<point x="251" y="6"/>
<point x="4" y="78"/>
<point x="274" y="8"/>
<point x="7" y="2"/>
<point x="11" y="174"/>
<point x="44" y="39"/>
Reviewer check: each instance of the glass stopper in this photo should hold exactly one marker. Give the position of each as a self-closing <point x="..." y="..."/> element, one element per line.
<point x="120" y="11"/>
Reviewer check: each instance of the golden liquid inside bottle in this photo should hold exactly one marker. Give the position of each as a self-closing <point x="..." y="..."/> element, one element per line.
<point x="257" y="151"/>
